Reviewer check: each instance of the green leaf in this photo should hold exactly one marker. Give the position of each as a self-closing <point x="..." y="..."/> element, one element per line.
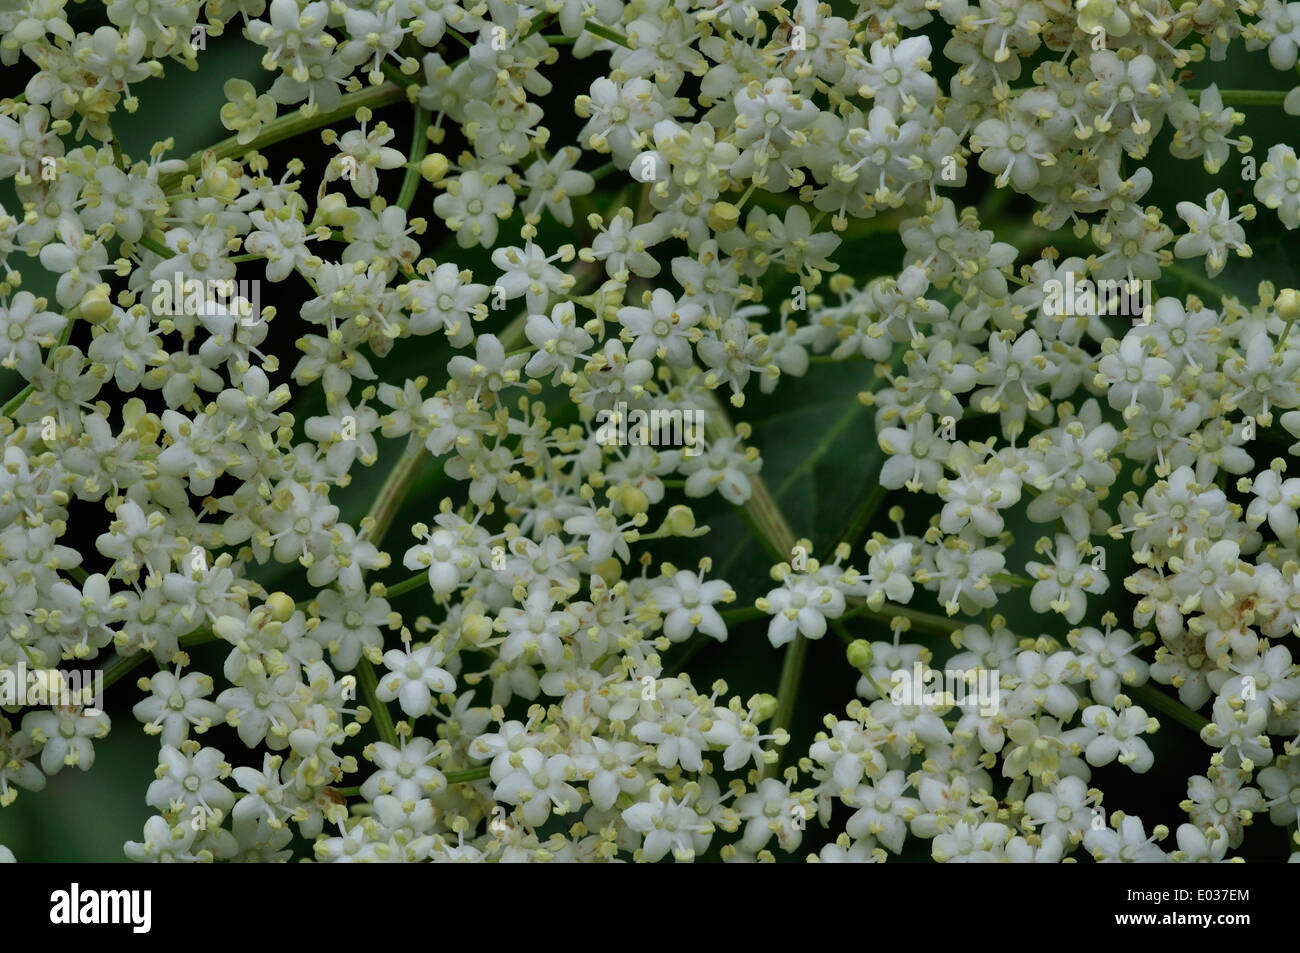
<point x="820" y="459"/>
<point x="185" y="105"/>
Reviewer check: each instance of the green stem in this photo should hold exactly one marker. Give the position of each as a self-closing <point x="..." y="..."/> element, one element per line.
<point x="769" y="526"/>
<point x="606" y="33"/>
<point x="156" y="247"/>
<point x="755" y="530"/>
<point x="1156" y="700"/>
<point x="386" y="505"/>
<point x="1199" y="282"/>
<point x="1011" y="579"/>
<point x="411" y="49"/>
<point x="921" y="621"/>
<point x="698" y="641"/>
<point x="369" y="683"/>
<point x="406" y="585"/>
<point x="17" y="400"/>
<point x="765" y="515"/>
<point x="740" y="202"/>
<point x="125" y="664"/>
<point x="1244" y="97"/>
<point x="419" y="146"/>
<point x="374" y="526"/>
<point x="395" y="75"/>
<point x="742" y="614"/>
<point x="121" y="665"/>
<point x="787" y="692"/>
<point x="537" y="26"/>
<point x="453" y="777"/>
<point x="1281" y="340"/>
<point x="469" y="774"/>
<point x="289" y="126"/>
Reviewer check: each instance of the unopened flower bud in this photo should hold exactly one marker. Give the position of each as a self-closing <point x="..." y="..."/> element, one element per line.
<point x="95" y="306"/>
<point x="680" y="520"/>
<point x="476" y="629"/>
<point x="764" y="706"/>
<point x="281" y="606"/>
<point x="1288" y="304"/>
<point x="611" y="570"/>
<point x="723" y="216"/>
<point x="433" y="166"/>
<point x="860" y="654"/>
<point x="634" y="500"/>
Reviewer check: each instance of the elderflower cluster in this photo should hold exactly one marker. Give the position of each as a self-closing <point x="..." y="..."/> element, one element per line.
<point x="202" y="490"/>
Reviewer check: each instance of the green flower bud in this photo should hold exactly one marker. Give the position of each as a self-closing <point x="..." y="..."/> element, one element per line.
<point x="860" y="654"/>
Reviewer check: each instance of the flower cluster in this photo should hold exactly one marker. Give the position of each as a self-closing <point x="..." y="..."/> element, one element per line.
<point x="210" y="486"/>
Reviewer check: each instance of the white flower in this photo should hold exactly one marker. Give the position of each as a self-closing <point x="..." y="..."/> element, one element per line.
<point x="448" y="556"/>
<point x="1061" y="586"/>
<point x="977" y="492"/>
<point x="968" y="844"/>
<point x="1239" y="732"/>
<point x="536" y="631"/>
<point x="964" y="574"/>
<point x="66" y="736"/>
<point x="1276" y="500"/>
<point x="415" y="675"/>
<point x="1278" y="28"/>
<point x="687" y="602"/>
<point x="1197" y="846"/>
<point x="537" y="784"/>
<point x="801" y="605"/>
<point x="1213" y="234"/>
<point x="1127" y="845"/>
<point x="916" y="456"/>
<point x="350" y="624"/>
<point x="1278" y="185"/>
<point x="1119" y="735"/>
<point x="724" y="465"/>
<point x="406" y="772"/>
<point x="553" y="183"/>
<point x="559" y="342"/>
<point x="664" y="329"/>
<point x="883" y="811"/>
<point x="1108" y="661"/>
<point x="473" y="205"/>
<point x="667" y="824"/>
<point x="177" y="703"/>
<point x="1066" y="811"/>
<point x="529" y="272"/>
